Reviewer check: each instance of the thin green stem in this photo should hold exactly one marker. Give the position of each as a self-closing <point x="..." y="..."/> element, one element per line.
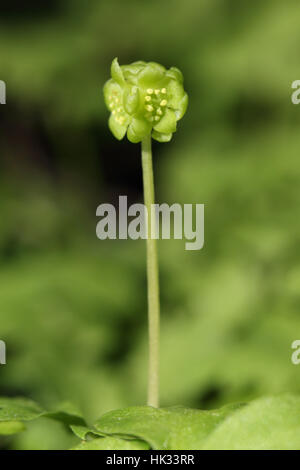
<point x="152" y="277"/>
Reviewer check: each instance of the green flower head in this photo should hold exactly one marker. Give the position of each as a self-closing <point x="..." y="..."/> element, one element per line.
<point x="144" y="98"/>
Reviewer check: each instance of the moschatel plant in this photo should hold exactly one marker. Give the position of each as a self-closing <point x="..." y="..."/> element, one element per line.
<point x="146" y="101"/>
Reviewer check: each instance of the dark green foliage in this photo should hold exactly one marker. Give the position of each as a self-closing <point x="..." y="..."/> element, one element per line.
<point x="270" y="423"/>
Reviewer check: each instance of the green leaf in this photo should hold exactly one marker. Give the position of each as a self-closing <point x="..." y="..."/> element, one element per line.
<point x="19" y="409"/>
<point x="112" y="443"/>
<point x="66" y="413"/>
<point x="84" y="431"/>
<point x="14" y="410"/>
<point x="11" y="427"/>
<point x="266" y="423"/>
<point x="271" y="423"/>
<point x="164" y="428"/>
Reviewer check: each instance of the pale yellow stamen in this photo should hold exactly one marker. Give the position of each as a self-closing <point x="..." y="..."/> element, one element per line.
<point x="150" y="91"/>
<point x="148" y="98"/>
<point x="149" y="108"/>
<point x="159" y="111"/>
<point x="163" y="103"/>
<point x="157" y="92"/>
<point x="157" y="118"/>
<point x="164" y="91"/>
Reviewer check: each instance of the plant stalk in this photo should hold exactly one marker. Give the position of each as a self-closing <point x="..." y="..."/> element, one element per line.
<point x="152" y="277"/>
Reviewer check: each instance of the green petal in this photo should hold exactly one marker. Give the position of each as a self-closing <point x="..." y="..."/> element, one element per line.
<point x="176" y="74"/>
<point x="110" y="88"/>
<point x="167" y="124"/>
<point x="175" y="94"/>
<point x="131" y="100"/>
<point x="151" y="76"/>
<point x="131" y="72"/>
<point x="133" y="68"/>
<point x="118" y="130"/>
<point x="161" y="137"/>
<point x="182" y="107"/>
<point x="137" y="130"/>
<point x="158" y="66"/>
<point x="116" y="72"/>
<point x="132" y="137"/>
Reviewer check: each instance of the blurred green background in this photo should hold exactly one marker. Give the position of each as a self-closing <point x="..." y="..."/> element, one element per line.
<point x="73" y="309"/>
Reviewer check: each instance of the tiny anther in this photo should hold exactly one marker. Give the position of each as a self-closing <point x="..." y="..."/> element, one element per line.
<point x="157" y="118"/>
<point x="150" y="91"/>
<point x="164" y="91"/>
<point x="111" y="105"/>
<point x="159" y="111"/>
<point x="163" y="103"/>
<point x="148" y="98"/>
<point x="157" y="92"/>
<point x="149" y="108"/>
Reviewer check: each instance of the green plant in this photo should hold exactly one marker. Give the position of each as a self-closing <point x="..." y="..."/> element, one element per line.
<point x="146" y="100"/>
<point x="265" y="423"/>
